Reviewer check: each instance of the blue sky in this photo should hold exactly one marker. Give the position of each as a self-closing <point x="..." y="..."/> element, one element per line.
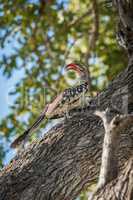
<point x="5" y="86"/>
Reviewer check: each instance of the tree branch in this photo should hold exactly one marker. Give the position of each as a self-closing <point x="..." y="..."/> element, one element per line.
<point x="67" y="159"/>
<point x="125" y="28"/>
<point x="109" y="163"/>
<point x="93" y="36"/>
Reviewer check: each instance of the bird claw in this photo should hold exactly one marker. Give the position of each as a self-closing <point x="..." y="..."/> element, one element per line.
<point x="67" y="116"/>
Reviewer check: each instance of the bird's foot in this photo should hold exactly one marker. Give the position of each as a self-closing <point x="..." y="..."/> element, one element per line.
<point x="67" y="116"/>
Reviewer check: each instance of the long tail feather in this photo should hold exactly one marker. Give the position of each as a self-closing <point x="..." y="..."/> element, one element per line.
<point x="22" y="137"/>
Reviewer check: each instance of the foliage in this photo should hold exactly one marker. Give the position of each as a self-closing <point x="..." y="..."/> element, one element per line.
<point x="38" y="37"/>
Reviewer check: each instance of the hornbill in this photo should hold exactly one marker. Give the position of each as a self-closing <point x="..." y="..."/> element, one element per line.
<point x="63" y="102"/>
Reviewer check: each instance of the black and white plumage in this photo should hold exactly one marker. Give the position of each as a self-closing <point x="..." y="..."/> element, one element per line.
<point x="65" y="101"/>
<point x="71" y="93"/>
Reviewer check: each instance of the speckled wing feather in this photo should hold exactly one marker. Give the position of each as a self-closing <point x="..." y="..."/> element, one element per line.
<point x="69" y="99"/>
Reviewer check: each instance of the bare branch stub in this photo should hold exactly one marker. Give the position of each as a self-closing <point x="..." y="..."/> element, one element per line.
<point x="93" y="36"/>
<point x="109" y="163"/>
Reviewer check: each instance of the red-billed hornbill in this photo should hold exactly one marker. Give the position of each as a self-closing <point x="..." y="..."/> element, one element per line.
<point x="64" y="102"/>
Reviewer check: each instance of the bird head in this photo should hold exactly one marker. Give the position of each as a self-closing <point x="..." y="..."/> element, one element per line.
<point x="80" y="68"/>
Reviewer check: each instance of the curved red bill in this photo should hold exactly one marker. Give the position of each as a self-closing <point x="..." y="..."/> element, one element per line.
<point x="73" y="66"/>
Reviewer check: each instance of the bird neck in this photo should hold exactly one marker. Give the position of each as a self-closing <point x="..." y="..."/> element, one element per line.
<point x="82" y="81"/>
<point x="84" y="78"/>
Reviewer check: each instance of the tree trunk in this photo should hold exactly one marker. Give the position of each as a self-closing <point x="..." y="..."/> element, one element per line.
<point x="68" y="158"/>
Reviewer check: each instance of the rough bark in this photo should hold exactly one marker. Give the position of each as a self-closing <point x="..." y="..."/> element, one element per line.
<point x="68" y="158"/>
<point x="121" y="187"/>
